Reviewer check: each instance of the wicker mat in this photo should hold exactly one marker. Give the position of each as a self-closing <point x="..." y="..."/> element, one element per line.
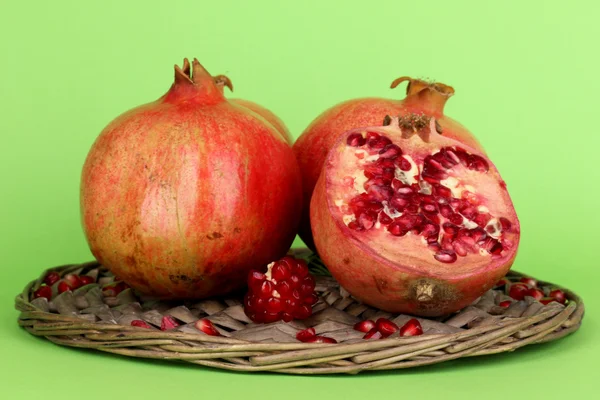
<point x="86" y="318"/>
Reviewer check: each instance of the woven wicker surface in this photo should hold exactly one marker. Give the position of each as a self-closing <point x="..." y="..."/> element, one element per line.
<point x="85" y="318"/>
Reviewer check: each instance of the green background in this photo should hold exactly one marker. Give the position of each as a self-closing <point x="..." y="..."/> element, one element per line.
<point x="525" y="75"/>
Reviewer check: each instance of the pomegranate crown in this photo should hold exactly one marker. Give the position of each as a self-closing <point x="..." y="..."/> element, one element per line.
<point x="194" y="82"/>
<point x="430" y="96"/>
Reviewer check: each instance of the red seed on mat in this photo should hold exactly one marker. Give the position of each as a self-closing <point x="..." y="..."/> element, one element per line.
<point x="411" y="328"/>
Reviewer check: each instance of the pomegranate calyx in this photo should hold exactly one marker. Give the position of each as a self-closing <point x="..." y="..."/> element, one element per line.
<point x="223" y="81"/>
<point x="432" y="96"/>
<point x="194" y="83"/>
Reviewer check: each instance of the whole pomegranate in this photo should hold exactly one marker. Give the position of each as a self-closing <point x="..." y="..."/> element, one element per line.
<point x="312" y="146"/>
<point x="181" y="197"/>
<point x="222" y="81"/>
<point x="411" y="221"/>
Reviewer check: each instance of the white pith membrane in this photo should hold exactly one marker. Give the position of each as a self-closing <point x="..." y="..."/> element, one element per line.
<point x="476" y="223"/>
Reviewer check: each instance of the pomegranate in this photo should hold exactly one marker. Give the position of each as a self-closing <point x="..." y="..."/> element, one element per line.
<point x="313" y="144"/>
<point x="222" y="81"/>
<point x="410" y="221"/>
<point x="181" y="197"/>
<point x="286" y="291"/>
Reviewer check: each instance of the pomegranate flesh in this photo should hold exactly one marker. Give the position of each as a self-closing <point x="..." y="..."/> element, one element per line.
<point x="410" y="221"/>
<point x="182" y="196"/>
<point x="311" y="147"/>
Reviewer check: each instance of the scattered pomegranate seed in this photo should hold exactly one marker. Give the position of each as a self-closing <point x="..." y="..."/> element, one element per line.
<point x="113" y="289"/>
<point x="204" y="325"/>
<point x="535" y="293"/>
<point x="547" y="300"/>
<point x="306" y="334"/>
<point x="63" y="287"/>
<point x="505" y="303"/>
<point x="72" y="280"/>
<point x="518" y="291"/>
<point x="373" y="334"/>
<point x="43" y="291"/>
<point x="364" y="326"/>
<point x="51" y="278"/>
<point x="168" y="323"/>
<point x="141" y="324"/>
<point x="321" y="339"/>
<point x="386" y="327"/>
<point x="558" y="295"/>
<point x="501" y="283"/>
<point x="86" y="280"/>
<point x="286" y="292"/>
<point x="529" y="281"/>
<point x="411" y="328"/>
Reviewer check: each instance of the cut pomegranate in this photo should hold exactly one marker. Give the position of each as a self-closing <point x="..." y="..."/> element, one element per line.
<point x="43" y="291"/>
<point x="51" y="278"/>
<point x="558" y="295"/>
<point x="529" y="281"/>
<point x="306" y="334"/>
<point x="535" y="293"/>
<point x="285" y="292"/>
<point x="141" y="324"/>
<point x="168" y="323"/>
<point x="204" y="325"/>
<point x="505" y="303"/>
<point x="518" y="291"/>
<point x="386" y="327"/>
<point x="364" y="326"/>
<point x="373" y="334"/>
<point x="411" y="328"/>
<point x="429" y="236"/>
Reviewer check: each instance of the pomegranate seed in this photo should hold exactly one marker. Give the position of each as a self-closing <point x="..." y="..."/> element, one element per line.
<point x="63" y="287"/>
<point x="168" y="323"/>
<point x="518" y="291"/>
<point x="51" y="278"/>
<point x="386" y="327"/>
<point x="43" y="291"/>
<point x="390" y="151"/>
<point x="459" y="248"/>
<point x="456" y="219"/>
<point x="477" y="163"/>
<point x="321" y="339"/>
<point x="281" y="272"/>
<point x="373" y="334"/>
<point x="443" y="191"/>
<point x="558" y="295"/>
<point x="403" y="164"/>
<point x="411" y="328"/>
<point x="356" y="140"/>
<point x="140" y="324"/>
<point x="86" y="280"/>
<point x="502" y="282"/>
<point x="506" y="224"/>
<point x="505" y="303"/>
<point x="291" y="297"/>
<point x="364" y="326"/>
<point x="204" y="325"/>
<point x="72" y="280"/>
<point x="548" y="300"/>
<point x="306" y="334"/>
<point x="385" y="219"/>
<point x="528" y="281"/>
<point x="445" y="256"/>
<point x="535" y="293"/>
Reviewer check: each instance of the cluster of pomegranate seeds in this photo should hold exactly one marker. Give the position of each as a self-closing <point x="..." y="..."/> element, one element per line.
<point x="383" y="328"/>
<point x="404" y="197"/>
<point x="528" y="287"/>
<point x="285" y="292"/>
<point x="71" y="282"/>
<point x="309" y="335"/>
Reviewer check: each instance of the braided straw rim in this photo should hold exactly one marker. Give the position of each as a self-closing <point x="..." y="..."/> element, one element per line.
<point x="502" y="334"/>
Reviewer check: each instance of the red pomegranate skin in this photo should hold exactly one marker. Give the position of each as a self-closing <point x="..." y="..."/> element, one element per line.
<point x="313" y="144"/>
<point x="223" y="81"/>
<point x="181" y="197"/>
<point x="403" y="284"/>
